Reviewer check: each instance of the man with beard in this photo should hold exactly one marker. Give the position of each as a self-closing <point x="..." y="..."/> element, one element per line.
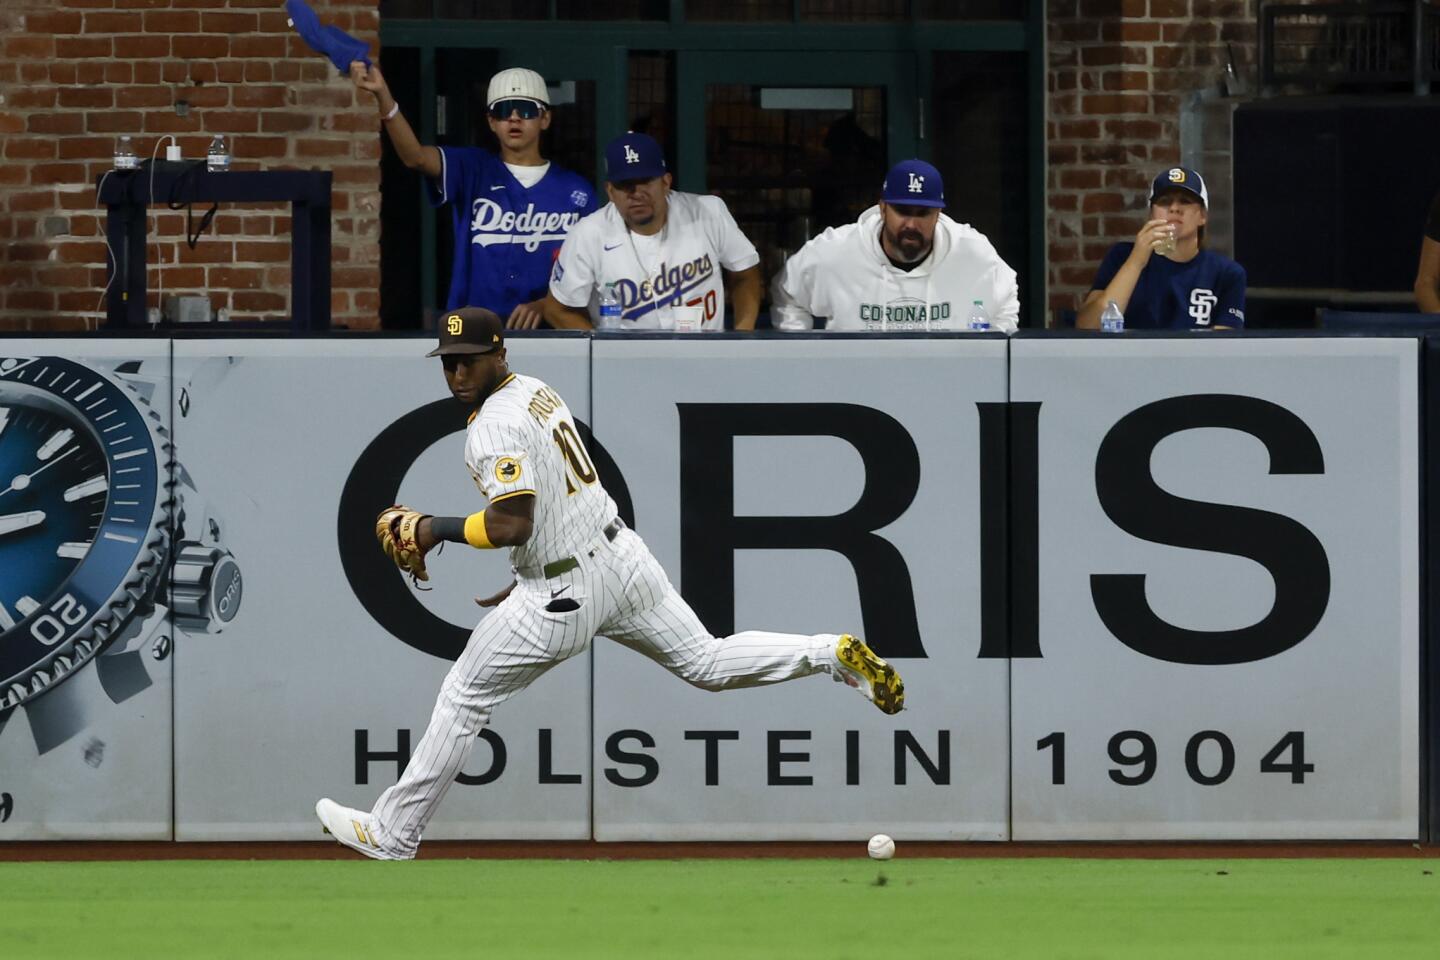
<point x="904" y="265"/>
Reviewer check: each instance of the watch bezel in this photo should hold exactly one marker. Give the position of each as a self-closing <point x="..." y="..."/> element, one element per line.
<point x="128" y="555"/>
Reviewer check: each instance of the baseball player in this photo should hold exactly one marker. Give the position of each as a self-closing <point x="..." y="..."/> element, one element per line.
<point x="511" y="212"/>
<point x="578" y="571"/>
<point x="663" y="251"/>
<point x="904" y="265"/>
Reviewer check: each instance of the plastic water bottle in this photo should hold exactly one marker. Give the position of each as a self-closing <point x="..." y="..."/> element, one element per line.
<point x="217" y="158"/>
<point x="979" y="319"/>
<point x="125" y="156"/>
<point x="609" y="306"/>
<point x="1112" y="320"/>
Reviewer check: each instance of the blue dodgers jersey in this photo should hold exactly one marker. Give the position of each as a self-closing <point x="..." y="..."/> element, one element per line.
<point x="1209" y="291"/>
<point x="506" y="236"/>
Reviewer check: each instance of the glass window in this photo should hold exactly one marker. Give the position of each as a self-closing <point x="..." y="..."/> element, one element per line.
<point x="790" y="162"/>
<point x="570" y="141"/>
<point x="490" y="10"/>
<point x="854" y="11"/>
<point x="981" y="147"/>
<point x="400" y="208"/>
<point x="651" y="100"/>
<point x="611" y="9"/>
<point x="972" y="9"/>
<point x="406" y="9"/>
<point x="745" y="11"/>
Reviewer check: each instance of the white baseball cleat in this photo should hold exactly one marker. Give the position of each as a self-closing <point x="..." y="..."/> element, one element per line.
<point x="353" y="828"/>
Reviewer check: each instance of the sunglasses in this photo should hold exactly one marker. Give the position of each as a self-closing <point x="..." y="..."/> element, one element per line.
<point x="527" y="109"/>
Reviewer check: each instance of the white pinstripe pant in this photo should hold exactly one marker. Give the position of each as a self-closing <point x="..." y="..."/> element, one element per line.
<point x="623" y="594"/>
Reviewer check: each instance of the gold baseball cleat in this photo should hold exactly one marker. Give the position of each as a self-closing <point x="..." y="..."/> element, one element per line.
<point x="870" y="674"/>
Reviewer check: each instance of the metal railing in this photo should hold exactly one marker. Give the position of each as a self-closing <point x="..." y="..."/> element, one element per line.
<point x="1325" y="46"/>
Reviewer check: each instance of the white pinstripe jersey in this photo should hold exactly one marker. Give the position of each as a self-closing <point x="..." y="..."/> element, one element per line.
<point x="523" y="440"/>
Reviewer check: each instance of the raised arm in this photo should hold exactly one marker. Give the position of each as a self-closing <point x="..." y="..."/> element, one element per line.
<point x="1121" y="286"/>
<point x="408" y="147"/>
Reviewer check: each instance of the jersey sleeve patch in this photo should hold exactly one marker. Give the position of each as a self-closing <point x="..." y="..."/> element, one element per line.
<point x="503" y="472"/>
<point x="508" y="471"/>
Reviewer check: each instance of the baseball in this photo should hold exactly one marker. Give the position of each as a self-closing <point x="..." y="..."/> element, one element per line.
<point x="881" y="847"/>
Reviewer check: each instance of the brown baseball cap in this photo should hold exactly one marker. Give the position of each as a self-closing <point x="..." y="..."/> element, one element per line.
<point x="469" y="330"/>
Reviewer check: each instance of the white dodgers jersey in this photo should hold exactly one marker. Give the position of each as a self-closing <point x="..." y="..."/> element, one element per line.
<point x="653" y="275"/>
<point x="524" y="441"/>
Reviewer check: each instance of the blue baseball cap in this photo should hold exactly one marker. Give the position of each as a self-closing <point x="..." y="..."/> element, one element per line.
<point x="914" y="182"/>
<point x="333" y="42"/>
<point x="633" y="156"/>
<point x="1180" y="178"/>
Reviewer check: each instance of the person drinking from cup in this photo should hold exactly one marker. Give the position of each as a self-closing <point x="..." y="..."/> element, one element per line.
<point x="1166" y="279"/>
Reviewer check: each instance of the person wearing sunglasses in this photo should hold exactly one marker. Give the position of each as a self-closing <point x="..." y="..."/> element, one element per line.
<point x="511" y="211"/>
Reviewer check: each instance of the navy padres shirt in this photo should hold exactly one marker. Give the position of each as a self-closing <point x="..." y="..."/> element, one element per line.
<point x="506" y="236"/>
<point x="1208" y="291"/>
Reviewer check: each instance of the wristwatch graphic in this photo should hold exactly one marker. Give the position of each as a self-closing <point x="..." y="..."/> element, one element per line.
<point x="104" y="540"/>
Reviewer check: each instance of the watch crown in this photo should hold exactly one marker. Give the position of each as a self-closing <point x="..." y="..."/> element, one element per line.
<point x="206" y="588"/>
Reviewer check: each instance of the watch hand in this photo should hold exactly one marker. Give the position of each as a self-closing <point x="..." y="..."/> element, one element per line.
<point x="23" y="480"/>
<point x="21" y="521"/>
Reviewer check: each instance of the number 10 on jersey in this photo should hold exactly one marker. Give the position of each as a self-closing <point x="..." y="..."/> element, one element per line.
<point x="577" y="461"/>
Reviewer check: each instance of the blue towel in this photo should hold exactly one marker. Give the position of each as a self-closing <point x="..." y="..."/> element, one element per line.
<point x="333" y="42"/>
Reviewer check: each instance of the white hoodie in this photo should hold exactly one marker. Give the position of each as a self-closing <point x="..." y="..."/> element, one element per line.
<point x="844" y="275"/>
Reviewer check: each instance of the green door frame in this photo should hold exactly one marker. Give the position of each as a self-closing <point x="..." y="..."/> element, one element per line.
<point x="697" y="69"/>
<point x="603" y="46"/>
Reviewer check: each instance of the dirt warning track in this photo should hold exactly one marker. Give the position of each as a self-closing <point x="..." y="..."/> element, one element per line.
<point x="64" y="850"/>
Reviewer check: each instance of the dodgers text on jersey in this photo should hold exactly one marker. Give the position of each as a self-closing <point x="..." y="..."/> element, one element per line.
<point x="489" y="225"/>
<point x="668" y="285"/>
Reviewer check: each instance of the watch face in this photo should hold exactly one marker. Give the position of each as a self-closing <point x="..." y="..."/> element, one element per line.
<point x="80" y="517"/>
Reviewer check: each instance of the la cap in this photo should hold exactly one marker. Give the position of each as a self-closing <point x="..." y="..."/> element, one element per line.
<point x="633" y="156"/>
<point x="517" y="83"/>
<point x="914" y="182"/>
<point x="1180" y="178"/>
<point x="469" y="330"/>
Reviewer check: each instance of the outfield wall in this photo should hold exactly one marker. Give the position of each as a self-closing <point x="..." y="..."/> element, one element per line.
<point x="1140" y="587"/>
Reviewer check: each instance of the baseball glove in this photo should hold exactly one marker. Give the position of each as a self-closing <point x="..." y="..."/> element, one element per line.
<point x="396" y="529"/>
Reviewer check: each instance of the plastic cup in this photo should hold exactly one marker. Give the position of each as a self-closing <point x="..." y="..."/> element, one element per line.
<point x="689" y="319"/>
<point x="1166" y="247"/>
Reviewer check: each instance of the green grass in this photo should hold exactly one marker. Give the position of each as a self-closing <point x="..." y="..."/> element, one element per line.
<point x="694" y="909"/>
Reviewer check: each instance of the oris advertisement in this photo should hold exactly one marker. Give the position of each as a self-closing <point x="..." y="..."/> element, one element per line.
<point x="1137" y="587"/>
<point x="816" y="485"/>
<point x="91" y="517"/>
<point x="1227" y="626"/>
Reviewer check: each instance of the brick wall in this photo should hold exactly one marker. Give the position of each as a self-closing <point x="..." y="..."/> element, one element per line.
<point x="74" y="74"/>
<point x="1120" y="72"/>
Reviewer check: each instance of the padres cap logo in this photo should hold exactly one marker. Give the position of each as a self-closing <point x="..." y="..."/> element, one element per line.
<point x="507" y="470"/>
<point x="454" y="324"/>
<point x="1177" y="175"/>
